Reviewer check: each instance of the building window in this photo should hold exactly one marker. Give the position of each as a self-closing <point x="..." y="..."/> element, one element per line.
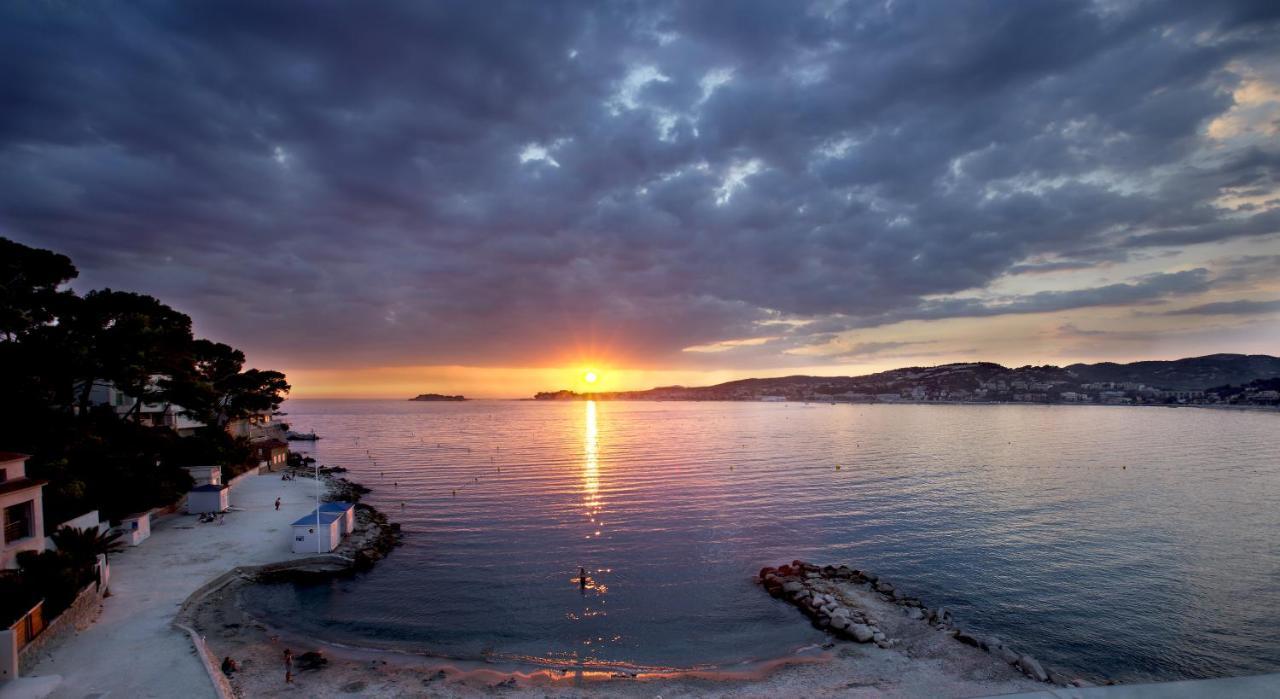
<point x="17" y="522"/>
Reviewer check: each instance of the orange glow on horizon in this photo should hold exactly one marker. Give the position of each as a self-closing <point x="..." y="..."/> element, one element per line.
<point x="404" y="382"/>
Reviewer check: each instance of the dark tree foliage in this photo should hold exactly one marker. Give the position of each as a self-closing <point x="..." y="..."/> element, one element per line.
<point x="87" y="544"/>
<point x="29" y="287"/>
<point x="55" y="347"/>
<point x="215" y="389"/>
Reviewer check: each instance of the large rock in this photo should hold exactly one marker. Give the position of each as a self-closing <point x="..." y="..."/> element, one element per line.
<point x="967" y="638"/>
<point x="884" y="587"/>
<point x="1030" y="666"/>
<point x="792" y="586"/>
<point x="861" y="633"/>
<point x="990" y="643"/>
<point x="840" y="623"/>
<point x="914" y="613"/>
<point x="1059" y="679"/>
<point x="1006" y="654"/>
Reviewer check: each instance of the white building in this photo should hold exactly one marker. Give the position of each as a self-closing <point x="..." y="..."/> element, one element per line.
<point x="21" y="509"/>
<point x="348" y="512"/>
<point x="209" y="498"/>
<point x="135" y="529"/>
<point x="153" y="414"/>
<point x="205" y="475"/>
<point x="307" y="540"/>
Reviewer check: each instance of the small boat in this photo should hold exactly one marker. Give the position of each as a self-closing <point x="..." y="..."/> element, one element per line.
<point x="301" y="436"/>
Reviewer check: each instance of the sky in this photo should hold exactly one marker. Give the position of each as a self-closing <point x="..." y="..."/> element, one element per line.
<point x="389" y="198"/>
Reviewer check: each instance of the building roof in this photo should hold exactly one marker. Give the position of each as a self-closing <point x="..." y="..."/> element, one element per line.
<point x="17" y="484"/>
<point x="336" y="506"/>
<point x="13" y="456"/>
<point x="310" y="520"/>
<point x="209" y="488"/>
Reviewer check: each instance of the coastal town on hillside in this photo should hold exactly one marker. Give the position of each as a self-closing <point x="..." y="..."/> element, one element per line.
<point x="1222" y="380"/>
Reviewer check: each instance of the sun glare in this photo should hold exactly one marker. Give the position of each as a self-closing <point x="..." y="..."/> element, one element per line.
<point x="590" y="377"/>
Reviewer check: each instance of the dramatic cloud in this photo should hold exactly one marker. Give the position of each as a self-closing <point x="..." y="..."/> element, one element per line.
<point x="515" y="183"/>
<point x="1222" y="308"/>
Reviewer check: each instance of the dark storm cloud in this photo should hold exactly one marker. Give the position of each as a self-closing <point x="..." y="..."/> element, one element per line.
<point x="1241" y="307"/>
<point x="504" y="182"/>
<point x="1150" y="289"/>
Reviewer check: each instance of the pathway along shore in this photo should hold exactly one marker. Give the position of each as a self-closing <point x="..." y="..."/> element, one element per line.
<point x="132" y="649"/>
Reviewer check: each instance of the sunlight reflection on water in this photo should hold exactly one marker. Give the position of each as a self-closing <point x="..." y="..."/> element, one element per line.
<point x="1137" y="543"/>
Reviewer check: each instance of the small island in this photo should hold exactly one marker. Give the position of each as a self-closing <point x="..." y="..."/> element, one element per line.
<point x="438" y="397"/>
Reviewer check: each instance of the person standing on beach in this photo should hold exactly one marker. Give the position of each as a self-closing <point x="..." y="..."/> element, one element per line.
<point x="288" y="666"/>
<point x="277" y="504"/>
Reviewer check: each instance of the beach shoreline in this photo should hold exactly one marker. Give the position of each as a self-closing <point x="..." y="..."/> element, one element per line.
<point x="923" y="661"/>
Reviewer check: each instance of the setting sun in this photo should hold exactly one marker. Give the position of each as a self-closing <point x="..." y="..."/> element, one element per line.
<point x="590" y="377"/>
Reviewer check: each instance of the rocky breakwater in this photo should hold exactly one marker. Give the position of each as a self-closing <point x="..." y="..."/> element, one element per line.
<point x="859" y="606"/>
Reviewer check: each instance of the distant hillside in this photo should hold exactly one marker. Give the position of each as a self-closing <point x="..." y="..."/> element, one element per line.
<point x="1178" y="381"/>
<point x="1192" y="373"/>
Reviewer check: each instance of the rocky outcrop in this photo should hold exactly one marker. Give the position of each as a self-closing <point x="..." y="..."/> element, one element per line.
<point x="810" y="588"/>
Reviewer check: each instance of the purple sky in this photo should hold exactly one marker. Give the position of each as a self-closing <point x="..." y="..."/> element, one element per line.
<point x="741" y="188"/>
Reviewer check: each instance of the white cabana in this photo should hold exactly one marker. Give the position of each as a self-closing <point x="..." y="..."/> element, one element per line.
<point x="348" y="512"/>
<point x="205" y="475"/>
<point x="307" y="540"/>
<point x="208" y="498"/>
<point x="135" y="529"/>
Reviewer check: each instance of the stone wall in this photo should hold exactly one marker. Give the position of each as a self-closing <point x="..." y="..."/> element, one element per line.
<point x="212" y="666"/>
<point x="240" y="478"/>
<point x="82" y="612"/>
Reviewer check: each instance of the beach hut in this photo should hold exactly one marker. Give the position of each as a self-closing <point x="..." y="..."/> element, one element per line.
<point x="307" y="540"/>
<point x="208" y="498"/>
<point x="205" y="475"/>
<point x="134" y="529"/>
<point x="348" y="512"/>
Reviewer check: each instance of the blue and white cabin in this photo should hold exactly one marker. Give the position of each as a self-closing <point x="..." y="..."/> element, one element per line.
<point x="208" y="498"/>
<point x="348" y="512"/>
<point x="307" y="540"/>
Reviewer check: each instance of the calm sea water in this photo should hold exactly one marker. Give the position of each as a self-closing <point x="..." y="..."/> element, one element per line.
<point x="1130" y="543"/>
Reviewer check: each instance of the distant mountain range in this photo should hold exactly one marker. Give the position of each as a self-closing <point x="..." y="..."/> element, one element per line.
<point x="1214" y="378"/>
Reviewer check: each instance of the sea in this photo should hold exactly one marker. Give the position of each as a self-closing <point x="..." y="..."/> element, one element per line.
<point x="1114" y="542"/>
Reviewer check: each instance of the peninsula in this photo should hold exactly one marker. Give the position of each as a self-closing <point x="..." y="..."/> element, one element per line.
<point x="1216" y="379"/>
